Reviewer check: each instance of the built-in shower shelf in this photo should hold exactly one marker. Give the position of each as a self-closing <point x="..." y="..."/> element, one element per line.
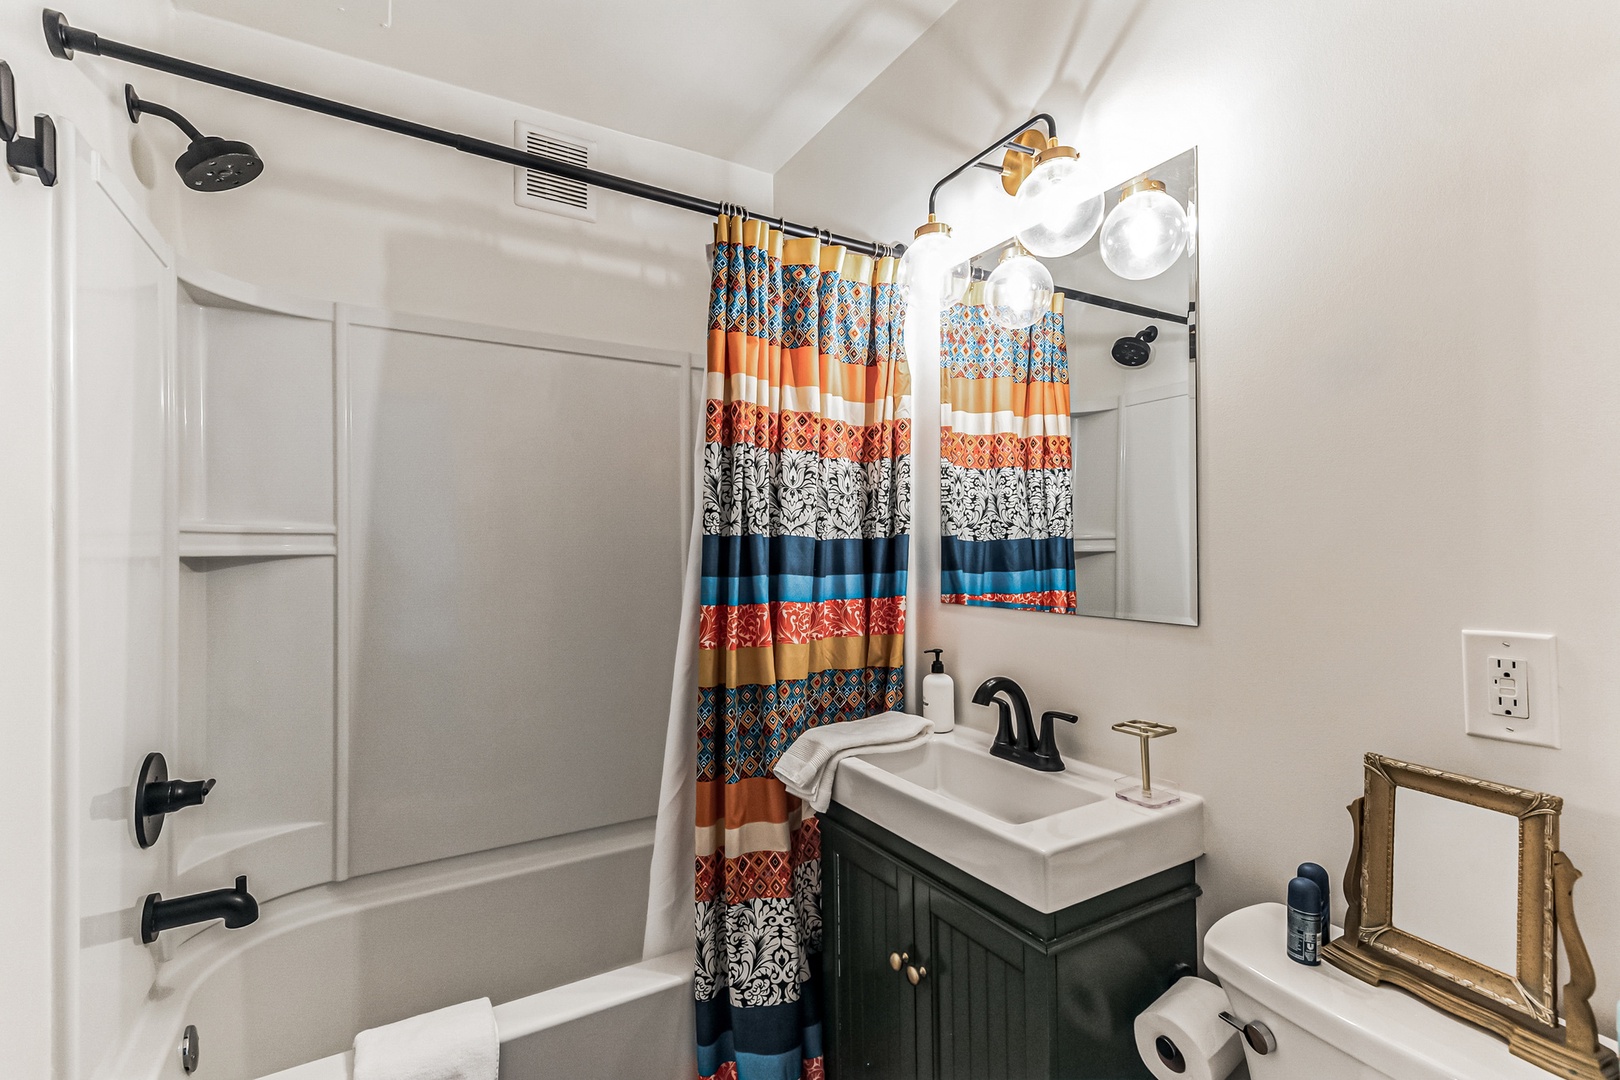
<point x="1094" y="544"/>
<point x="213" y="539"/>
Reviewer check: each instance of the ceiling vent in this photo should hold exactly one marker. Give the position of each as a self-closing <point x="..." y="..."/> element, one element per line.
<point x="555" y="194"/>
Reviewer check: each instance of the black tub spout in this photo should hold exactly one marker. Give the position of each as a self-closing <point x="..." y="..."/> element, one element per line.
<point x="236" y="906"/>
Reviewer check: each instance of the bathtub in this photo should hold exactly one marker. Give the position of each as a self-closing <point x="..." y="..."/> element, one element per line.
<point x="550" y="931"/>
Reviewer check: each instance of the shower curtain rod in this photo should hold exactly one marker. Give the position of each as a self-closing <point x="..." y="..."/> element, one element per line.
<point x="64" y="40"/>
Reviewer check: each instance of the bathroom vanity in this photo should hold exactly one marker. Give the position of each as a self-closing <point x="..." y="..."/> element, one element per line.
<point x="985" y="921"/>
<point x="1001" y="990"/>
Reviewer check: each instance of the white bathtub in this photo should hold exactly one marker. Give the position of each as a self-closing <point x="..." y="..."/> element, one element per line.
<point x="550" y="931"/>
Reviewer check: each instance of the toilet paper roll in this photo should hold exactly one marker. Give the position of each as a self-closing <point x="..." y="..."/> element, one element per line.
<point x="1182" y="1036"/>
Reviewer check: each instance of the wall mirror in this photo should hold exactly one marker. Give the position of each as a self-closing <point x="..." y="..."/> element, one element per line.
<point x="1069" y="471"/>
<point x="1457" y="892"/>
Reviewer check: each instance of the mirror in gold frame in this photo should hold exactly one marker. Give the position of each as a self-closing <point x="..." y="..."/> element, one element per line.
<point x="1521" y="1004"/>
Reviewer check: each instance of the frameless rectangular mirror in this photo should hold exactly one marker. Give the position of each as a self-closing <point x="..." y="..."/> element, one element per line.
<point x="1068" y="450"/>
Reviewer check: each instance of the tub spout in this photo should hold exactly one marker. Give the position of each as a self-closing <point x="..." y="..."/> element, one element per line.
<point x="236" y="906"/>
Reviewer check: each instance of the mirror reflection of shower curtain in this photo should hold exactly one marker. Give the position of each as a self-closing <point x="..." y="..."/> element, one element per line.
<point x="1006" y="476"/>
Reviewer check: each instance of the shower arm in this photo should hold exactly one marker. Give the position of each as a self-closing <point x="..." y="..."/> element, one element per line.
<point x="64" y="41"/>
<point x="137" y="108"/>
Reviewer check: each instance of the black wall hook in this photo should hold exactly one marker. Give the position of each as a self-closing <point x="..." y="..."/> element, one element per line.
<point x="36" y="156"/>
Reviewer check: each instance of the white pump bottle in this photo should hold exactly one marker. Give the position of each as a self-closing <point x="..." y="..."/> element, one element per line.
<point x="939" y="695"/>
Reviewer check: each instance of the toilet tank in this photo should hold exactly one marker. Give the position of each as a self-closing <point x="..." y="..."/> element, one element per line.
<point x="1330" y="1025"/>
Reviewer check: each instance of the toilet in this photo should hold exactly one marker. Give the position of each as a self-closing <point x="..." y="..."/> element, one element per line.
<point x="1329" y="1025"/>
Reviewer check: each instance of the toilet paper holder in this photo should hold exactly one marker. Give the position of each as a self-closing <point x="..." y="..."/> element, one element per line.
<point x="1255" y="1033"/>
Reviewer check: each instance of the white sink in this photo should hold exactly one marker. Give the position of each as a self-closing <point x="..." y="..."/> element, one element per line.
<point x="1046" y="839"/>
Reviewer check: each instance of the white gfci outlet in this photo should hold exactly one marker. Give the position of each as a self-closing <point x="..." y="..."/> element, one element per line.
<point x="1510" y="687"/>
<point x="1499" y="669"/>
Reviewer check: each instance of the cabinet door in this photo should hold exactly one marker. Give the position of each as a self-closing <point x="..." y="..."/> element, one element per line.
<point x="872" y="1029"/>
<point x="984" y="1004"/>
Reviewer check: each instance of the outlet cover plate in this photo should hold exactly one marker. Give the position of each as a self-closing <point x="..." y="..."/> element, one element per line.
<point x="1540" y="653"/>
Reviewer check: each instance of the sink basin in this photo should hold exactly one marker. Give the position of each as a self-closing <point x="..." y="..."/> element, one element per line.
<point x="1048" y="840"/>
<point x="970" y="776"/>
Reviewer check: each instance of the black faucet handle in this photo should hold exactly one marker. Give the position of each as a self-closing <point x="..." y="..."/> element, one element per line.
<point x="156" y="795"/>
<point x="1048" y="750"/>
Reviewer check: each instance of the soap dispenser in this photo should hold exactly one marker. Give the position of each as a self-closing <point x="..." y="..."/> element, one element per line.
<point x="939" y="695"/>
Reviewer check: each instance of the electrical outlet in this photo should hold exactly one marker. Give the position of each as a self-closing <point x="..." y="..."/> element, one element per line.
<point x="1510" y="687"/>
<point x="1498" y="669"/>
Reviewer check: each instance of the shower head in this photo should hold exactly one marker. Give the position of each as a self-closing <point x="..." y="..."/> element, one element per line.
<point x="209" y="163"/>
<point x="1135" y="351"/>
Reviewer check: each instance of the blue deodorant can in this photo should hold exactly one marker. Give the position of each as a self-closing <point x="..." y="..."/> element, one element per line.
<point x="1305" y="921"/>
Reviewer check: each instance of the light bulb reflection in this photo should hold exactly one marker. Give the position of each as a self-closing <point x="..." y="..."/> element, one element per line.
<point x="1019" y="291"/>
<point x="1145" y="234"/>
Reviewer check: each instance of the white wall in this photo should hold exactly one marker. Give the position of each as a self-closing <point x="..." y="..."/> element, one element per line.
<point x="1407" y="378"/>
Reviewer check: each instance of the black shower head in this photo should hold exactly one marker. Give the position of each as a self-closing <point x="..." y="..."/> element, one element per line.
<point x="209" y="163"/>
<point x="1135" y="351"/>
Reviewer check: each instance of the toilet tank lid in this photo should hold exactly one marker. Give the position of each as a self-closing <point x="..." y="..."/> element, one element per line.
<point x="1380" y="1026"/>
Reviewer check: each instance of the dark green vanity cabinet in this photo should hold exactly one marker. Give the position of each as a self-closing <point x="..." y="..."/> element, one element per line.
<point x="1004" y="992"/>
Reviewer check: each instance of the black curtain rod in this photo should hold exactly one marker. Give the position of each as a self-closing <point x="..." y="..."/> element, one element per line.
<point x="64" y="40"/>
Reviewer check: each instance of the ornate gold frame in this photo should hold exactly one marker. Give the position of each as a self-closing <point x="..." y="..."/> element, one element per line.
<point x="1521" y="1006"/>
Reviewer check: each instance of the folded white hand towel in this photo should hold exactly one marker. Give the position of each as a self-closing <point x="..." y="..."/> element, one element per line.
<point x="458" y="1043"/>
<point x="808" y="767"/>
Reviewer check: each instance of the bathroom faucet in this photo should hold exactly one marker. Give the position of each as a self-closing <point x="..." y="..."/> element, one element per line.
<point x="1025" y="746"/>
<point x="236" y="906"/>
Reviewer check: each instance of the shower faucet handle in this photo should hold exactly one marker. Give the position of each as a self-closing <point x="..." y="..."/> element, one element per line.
<point x="156" y="795"/>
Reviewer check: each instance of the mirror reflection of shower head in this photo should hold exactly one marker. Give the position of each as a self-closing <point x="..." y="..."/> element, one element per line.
<point x="209" y="163"/>
<point x="1135" y="351"/>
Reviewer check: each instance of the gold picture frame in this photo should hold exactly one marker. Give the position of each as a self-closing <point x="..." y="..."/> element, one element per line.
<point x="1521" y="1006"/>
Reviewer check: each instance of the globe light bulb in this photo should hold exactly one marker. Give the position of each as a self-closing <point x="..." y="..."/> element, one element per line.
<point x="1145" y="234"/>
<point x="1062" y="203"/>
<point x="934" y="268"/>
<point x="1019" y="291"/>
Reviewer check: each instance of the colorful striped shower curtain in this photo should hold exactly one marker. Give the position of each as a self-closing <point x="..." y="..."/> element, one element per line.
<point x="1006" y="470"/>
<point x="806" y="516"/>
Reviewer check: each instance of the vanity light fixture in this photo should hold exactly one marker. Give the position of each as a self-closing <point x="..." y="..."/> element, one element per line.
<point x="1019" y="291"/>
<point x="1060" y="199"/>
<point x="1145" y="233"/>
<point x="934" y="268"/>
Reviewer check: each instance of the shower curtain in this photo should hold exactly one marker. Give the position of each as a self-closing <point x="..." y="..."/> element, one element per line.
<point x="805" y="508"/>
<point x="1006" y="471"/>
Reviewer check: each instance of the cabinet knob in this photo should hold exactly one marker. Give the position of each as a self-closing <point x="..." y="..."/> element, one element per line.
<point x="898" y="959"/>
<point x="916" y="974"/>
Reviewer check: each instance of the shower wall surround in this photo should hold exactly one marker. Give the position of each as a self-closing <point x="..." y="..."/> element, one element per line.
<point x="358" y="567"/>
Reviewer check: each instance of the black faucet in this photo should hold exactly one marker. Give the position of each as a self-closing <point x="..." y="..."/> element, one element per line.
<point x="1025" y="746"/>
<point x="236" y="906"/>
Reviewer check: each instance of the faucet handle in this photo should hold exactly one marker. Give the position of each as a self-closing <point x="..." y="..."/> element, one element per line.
<point x="1048" y="748"/>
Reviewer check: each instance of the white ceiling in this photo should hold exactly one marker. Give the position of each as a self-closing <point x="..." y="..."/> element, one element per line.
<point x="748" y="81"/>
